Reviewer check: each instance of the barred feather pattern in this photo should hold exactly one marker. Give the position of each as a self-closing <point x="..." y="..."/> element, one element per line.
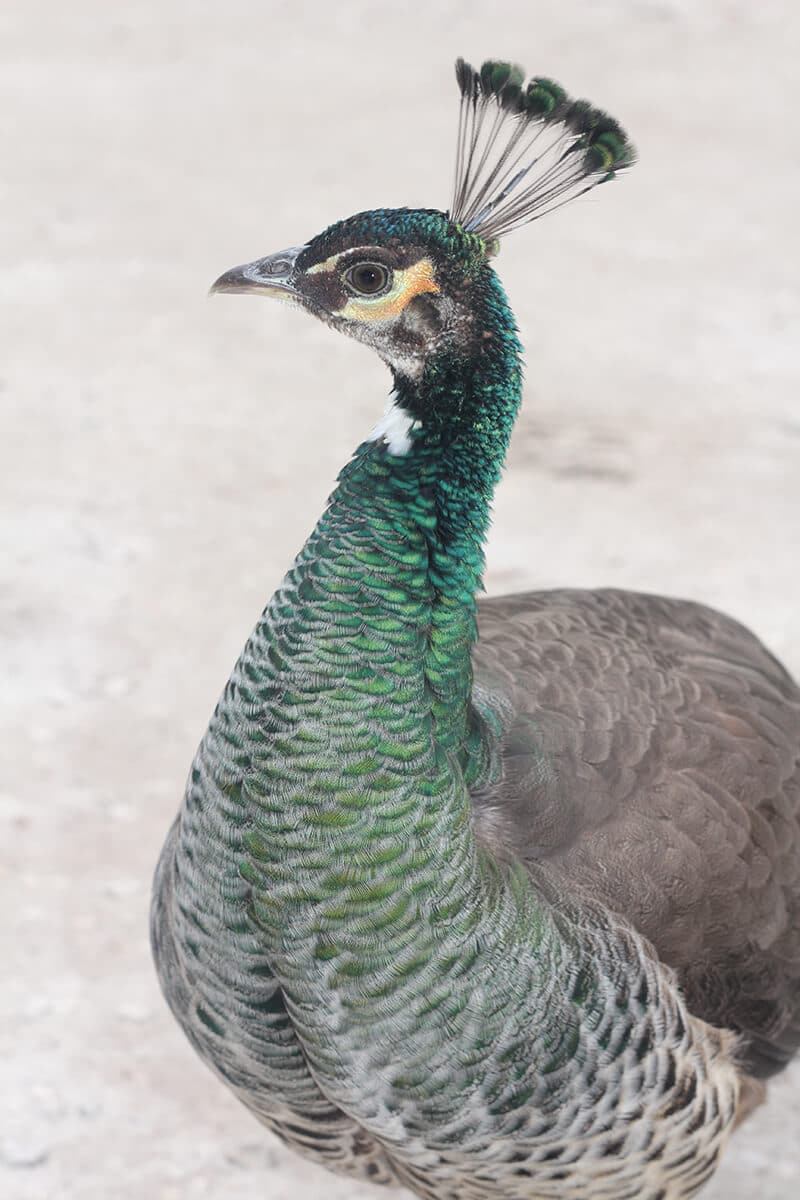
<point x="524" y="150"/>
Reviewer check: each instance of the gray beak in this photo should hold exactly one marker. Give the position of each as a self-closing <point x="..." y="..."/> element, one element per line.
<point x="270" y="276"/>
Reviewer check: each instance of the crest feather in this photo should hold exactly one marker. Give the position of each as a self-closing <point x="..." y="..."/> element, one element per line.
<point x="523" y="151"/>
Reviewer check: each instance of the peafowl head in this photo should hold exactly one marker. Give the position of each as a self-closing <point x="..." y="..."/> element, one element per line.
<point x="410" y="282"/>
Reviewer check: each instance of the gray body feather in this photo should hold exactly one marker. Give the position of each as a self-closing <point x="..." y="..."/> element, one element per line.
<point x="651" y="758"/>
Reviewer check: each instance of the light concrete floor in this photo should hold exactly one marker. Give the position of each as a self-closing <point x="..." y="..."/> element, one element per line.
<point x="163" y="456"/>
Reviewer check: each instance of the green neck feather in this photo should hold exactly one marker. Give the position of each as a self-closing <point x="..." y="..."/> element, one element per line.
<point x="361" y="848"/>
<point x="438" y="496"/>
<point x="360" y="666"/>
<point x="430" y="987"/>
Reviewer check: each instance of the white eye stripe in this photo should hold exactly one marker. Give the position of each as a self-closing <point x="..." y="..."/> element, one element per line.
<point x="332" y="263"/>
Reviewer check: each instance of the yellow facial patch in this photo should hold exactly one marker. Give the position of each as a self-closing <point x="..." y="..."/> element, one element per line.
<point x="406" y="284"/>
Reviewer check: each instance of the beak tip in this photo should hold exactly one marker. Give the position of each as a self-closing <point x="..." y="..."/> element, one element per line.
<point x="271" y="276"/>
<point x="229" y="281"/>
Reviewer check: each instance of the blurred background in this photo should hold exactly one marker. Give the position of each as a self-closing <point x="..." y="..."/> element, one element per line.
<point x="163" y="456"/>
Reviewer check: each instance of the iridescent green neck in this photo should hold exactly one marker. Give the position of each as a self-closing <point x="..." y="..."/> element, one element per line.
<point x="359" y="676"/>
<point x="352" y="701"/>
<point x="464" y="409"/>
<point x="330" y="814"/>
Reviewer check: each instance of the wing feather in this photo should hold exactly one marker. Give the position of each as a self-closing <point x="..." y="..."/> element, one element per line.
<point x="651" y="757"/>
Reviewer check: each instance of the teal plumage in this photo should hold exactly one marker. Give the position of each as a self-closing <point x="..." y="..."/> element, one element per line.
<point x="366" y="916"/>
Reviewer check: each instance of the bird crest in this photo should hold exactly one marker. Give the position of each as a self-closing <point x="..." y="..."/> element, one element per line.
<point x="524" y="150"/>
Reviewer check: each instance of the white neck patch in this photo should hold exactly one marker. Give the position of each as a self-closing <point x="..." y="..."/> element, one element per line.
<point x="395" y="428"/>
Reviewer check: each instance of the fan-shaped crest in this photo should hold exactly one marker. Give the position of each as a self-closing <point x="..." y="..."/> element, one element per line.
<point x="525" y="150"/>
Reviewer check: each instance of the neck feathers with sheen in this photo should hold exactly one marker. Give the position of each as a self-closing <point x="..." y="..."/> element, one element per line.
<point x="441" y="1000"/>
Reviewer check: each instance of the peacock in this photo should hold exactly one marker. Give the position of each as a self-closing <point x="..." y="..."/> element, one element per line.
<point x="497" y="899"/>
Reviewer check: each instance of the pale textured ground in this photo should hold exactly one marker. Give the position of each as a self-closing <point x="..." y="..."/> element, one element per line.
<point x="164" y="456"/>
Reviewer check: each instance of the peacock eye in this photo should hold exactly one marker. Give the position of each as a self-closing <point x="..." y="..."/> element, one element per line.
<point x="367" y="278"/>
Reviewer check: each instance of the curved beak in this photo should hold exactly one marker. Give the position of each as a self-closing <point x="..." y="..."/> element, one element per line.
<point x="270" y="276"/>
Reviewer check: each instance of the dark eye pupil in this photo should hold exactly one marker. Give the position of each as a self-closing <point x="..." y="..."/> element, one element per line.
<point x="369" y="277"/>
